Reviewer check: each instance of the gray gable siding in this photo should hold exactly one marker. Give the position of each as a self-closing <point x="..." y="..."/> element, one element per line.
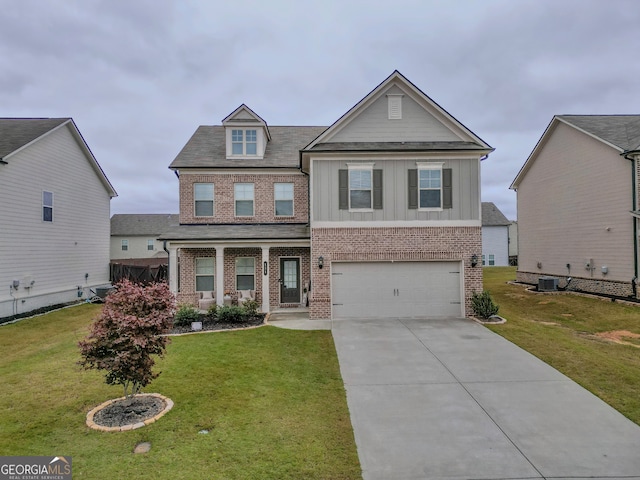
<point x="373" y="124"/>
<point x="466" y="194"/>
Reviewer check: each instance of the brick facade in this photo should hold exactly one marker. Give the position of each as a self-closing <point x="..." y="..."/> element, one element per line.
<point x="384" y="244"/>
<point x="596" y="286"/>
<point x="224" y="205"/>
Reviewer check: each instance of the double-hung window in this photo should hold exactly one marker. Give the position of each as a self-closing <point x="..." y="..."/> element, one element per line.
<point x="124" y="244"/>
<point x="360" y="187"/>
<point x="47" y="206"/>
<point x="283" y="195"/>
<point x="244" y="142"/>
<point x="150" y="244"/>
<point x="205" y="272"/>
<point x="245" y="273"/>
<point x="430" y="186"/>
<point x="203" y="199"/>
<point x="243" y="196"/>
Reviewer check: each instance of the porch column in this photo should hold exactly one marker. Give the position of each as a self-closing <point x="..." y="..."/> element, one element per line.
<point x="265" y="279"/>
<point x="173" y="269"/>
<point x="220" y="275"/>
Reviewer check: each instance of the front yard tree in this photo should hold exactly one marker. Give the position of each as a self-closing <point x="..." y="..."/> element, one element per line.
<point x="127" y="333"/>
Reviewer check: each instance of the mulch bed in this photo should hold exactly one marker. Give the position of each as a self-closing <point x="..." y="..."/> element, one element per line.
<point x="211" y="324"/>
<point x="129" y="411"/>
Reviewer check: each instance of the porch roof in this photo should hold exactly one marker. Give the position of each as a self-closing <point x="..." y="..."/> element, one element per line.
<point x="230" y="233"/>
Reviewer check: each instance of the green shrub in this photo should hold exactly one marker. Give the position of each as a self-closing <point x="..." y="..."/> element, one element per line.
<point x="212" y="310"/>
<point x="231" y="314"/>
<point x="185" y="315"/>
<point x="483" y="305"/>
<point x="251" y="307"/>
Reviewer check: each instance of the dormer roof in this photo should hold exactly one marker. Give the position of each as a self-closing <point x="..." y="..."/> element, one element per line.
<point x="245" y="117"/>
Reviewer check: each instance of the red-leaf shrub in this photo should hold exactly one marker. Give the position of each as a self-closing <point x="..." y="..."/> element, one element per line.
<point x="128" y="332"/>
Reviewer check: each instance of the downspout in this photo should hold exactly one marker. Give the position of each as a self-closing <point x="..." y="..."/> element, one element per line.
<point x="630" y="155"/>
<point x="164" y="247"/>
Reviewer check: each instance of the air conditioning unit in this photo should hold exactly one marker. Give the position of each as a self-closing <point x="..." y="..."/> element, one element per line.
<point x="547" y="284"/>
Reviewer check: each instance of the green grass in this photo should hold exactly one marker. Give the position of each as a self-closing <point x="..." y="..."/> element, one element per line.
<point x="560" y="329"/>
<point x="272" y="400"/>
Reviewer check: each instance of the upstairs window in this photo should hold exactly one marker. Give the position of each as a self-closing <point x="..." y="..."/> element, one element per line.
<point x="360" y="189"/>
<point x="150" y="244"/>
<point x="243" y="193"/>
<point x="244" y="142"/>
<point x="283" y="194"/>
<point x="203" y="198"/>
<point x="124" y="245"/>
<point x="430" y="187"/>
<point x="47" y="206"/>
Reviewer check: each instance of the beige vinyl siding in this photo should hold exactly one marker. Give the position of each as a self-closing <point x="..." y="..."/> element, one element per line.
<point x="466" y="196"/>
<point x="56" y="255"/>
<point x="137" y="247"/>
<point x="573" y="205"/>
<point x="373" y="124"/>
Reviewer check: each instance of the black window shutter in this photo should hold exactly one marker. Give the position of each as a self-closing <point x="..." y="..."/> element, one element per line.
<point x="343" y="189"/>
<point x="413" y="189"/>
<point x="377" y="189"/>
<point x="447" y="188"/>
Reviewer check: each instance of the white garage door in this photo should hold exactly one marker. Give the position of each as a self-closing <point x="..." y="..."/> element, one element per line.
<point x="396" y="289"/>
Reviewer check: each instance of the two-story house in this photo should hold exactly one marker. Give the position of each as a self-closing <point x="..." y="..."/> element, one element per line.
<point x="375" y="216"/>
<point x="54" y="220"/>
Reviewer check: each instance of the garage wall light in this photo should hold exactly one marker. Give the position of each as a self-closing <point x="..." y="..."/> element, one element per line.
<point x="320" y="261"/>
<point x="474" y="260"/>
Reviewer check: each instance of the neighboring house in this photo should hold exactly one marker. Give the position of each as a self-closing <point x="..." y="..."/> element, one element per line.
<point x="495" y="236"/>
<point x="378" y="214"/>
<point x="578" y="204"/>
<point x="134" y="237"/>
<point x="54" y="220"/>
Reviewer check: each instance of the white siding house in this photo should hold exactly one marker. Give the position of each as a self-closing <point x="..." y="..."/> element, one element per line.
<point x="54" y="224"/>
<point x="495" y="236"/>
<point x="135" y="236"/>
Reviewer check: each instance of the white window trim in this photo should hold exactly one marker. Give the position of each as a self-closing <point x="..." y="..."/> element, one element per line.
<point x="47" y="206"/>
<point x="359" y="166"/>
<point x="293" y="203"/>
<point x="254" y="272"/>
<point x="213" y="200"/>
<point x="151" y="243"/>
<point x="430" y="166"/>
<point x="124" y="243"/>
<point x="235" y="200"/>
<point x="195" y="267"/>
<point x="259" y="141"/>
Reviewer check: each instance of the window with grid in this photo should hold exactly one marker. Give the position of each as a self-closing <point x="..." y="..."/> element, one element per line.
<point x="205" y="270"/>
<point x="150" y="244"/>
<point x="283" y="194"/>
<point x="492" y="259"/>
<point x="124" y="245"/>
<point x="245" y="273"/>
<point x="430" y="187"/>
<point x="360" y="188"/>
<point x="244" y="142"/>
<point x="243" y="194"/>
<point x="203" y="199"/>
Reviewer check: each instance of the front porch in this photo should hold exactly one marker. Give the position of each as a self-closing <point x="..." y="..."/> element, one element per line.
<point x="276" y="276"/>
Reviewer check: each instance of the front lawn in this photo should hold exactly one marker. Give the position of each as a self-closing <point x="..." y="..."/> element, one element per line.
<point x="562" y="330"/>
<point x="272" y="401"/>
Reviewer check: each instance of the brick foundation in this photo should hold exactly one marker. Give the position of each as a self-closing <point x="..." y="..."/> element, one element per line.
<point x="596" y="286"/>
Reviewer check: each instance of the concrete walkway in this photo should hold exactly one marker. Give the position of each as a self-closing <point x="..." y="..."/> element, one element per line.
<point x="449" y="399"/>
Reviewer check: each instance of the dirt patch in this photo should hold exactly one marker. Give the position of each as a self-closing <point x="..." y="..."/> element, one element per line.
<point x="618" y="336"/>
<point x="548" y="323"/>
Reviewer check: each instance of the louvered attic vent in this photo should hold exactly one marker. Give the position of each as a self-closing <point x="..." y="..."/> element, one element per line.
<point x="395" y="106"/>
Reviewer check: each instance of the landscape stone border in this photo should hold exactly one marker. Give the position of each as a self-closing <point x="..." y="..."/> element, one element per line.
<point x="133" y="426"/>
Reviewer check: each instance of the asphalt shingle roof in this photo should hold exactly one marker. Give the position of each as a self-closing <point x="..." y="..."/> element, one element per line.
<point x="17" y="132"/>
<point x="206" y="148"/>
<point x="143" y="224"/>
<point x="622" y="131"/>
<point x="395" y="146"/>
<point x="284" y="231"/>
<point x="492" y="216"/>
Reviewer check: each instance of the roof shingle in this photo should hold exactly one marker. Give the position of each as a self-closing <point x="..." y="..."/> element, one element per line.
<point x="622" y="131"/>
<point x="17" y="132"/>
<point x="143" y="224"/>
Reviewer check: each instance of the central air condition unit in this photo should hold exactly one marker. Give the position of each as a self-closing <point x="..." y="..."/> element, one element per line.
<point x="547" y="284"/>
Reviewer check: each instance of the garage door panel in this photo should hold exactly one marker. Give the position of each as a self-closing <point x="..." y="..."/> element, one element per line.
<point x="396" y="289"/>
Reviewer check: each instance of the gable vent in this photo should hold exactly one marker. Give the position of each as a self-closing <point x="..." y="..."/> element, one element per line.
<point x="395" y="107"/>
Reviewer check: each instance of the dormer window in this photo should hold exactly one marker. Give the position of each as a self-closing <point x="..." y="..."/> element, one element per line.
<point x="244" y="142"/>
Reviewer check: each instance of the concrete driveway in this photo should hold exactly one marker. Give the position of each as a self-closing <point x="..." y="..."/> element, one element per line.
<point x="449" y="399"/>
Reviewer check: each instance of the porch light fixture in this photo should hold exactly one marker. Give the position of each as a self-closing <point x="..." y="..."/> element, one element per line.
<point x="264" y="268"/>
<point x="320" y="261"/>
<point x="474" y="260"/>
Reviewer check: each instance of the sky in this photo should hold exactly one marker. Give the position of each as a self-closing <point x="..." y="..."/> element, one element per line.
<point x="139" y="76"/>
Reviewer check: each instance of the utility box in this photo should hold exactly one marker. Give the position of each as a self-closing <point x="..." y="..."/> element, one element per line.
<point x="548" y="284"/>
